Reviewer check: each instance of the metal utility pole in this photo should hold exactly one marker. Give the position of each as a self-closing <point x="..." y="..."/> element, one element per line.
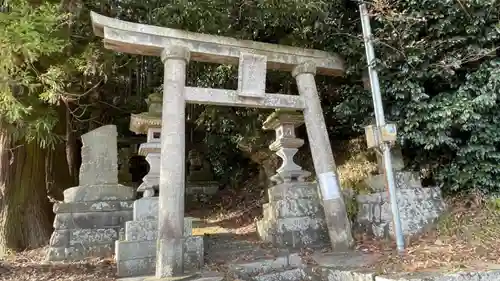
<point x="382" y="134"/>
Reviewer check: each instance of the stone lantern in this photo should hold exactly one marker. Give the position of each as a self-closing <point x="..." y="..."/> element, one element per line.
<point x="150" y="123"/>
<point x="286" y="145"/>
<point x="293" y="217"/>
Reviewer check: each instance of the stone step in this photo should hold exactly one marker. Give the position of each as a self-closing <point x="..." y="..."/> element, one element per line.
<point x="295" y="274"/>
<point x="147" y="230"/>
<point x="339" y="274"/>
<point x="266" y="265"/>
<point x="202" y="276"/>
<point x="136" y="258"/>
<point x="234" y="247"/>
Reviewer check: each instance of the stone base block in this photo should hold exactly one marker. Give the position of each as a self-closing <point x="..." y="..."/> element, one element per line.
<point x="87" y="229"/>
<point x="92" y="220"/>
<point x="77" y="244"/>
<point x="292" y="208"/>
<point x="89" y="207"/>
<point x="80" y="251"/>
<point x="84" y="237"/>
<point x="294" y="216"/>
<point x="418" y="207"/>
<point x="293" y="232"/>
<point x="146" y="208"/>
<point x="136" y="258"/>
<point x="295" y="190"/>
<point x="147" y="230"/>
<point x="103" y="192"/>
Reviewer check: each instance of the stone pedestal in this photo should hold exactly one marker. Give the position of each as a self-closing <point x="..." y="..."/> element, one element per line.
<point x="93" y="214"/>
<point x="418" y="206"/>
<point x="136" y="254"/>
<point x="293" y="217"/>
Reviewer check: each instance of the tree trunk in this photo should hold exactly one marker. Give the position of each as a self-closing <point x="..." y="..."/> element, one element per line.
<point x="60" y="173"/>
<point x="72" y="147"/>
<point x="25" y="212"/>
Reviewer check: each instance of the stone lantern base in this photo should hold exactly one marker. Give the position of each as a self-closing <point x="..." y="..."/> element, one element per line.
<point x="136" y="254"/>
<point x="293" y="217"/>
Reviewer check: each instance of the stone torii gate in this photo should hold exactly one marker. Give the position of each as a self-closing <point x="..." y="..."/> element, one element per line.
<point x="176" y="48"/>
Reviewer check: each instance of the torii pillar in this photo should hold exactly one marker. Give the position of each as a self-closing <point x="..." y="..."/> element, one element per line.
<point x="169" y="253"/>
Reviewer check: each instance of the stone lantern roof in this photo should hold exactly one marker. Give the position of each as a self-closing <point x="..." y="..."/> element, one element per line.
<point x="282" y="116"/>
<point x="139" y="123"/>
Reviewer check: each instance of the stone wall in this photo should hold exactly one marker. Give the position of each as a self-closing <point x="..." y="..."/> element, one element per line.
<point x="418" y="206"/>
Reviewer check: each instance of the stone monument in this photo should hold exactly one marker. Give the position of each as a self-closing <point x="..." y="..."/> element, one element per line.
<point x="418" y="206"/>
<point x="176" y="48"/>
<point x="94" y="213"/>
<point x="294" y="216"/>
<point x="200" y="179"/>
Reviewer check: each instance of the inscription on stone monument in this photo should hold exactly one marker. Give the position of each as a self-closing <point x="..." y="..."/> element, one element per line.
<point x="99" y="157"/>
<point x="252" y="75"/>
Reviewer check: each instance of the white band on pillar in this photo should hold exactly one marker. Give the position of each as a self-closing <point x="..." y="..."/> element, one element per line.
<point x="175" y="52"/>
<point x="305" y="67"/>
<point x="329" y="186"/>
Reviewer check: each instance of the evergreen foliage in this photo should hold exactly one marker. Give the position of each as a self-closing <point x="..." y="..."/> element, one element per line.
<point x="29" y="38"/>
<point x="438" y="63"/>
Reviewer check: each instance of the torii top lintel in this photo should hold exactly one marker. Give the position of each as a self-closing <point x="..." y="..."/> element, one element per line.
<point x="142" y="39"/>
